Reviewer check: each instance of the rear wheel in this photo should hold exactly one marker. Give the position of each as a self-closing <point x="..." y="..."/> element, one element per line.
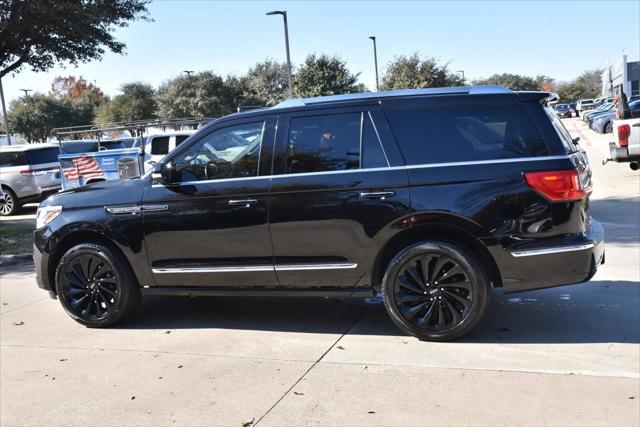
<point x="11" y="204"/>
<point x="435" y="291"/>
<point x="95" y="285"/>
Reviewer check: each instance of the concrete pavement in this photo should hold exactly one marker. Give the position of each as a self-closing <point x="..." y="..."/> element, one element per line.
<point x="561" y="356"/>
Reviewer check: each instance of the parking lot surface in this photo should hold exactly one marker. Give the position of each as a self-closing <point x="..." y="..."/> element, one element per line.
<point x="562" y="356"/>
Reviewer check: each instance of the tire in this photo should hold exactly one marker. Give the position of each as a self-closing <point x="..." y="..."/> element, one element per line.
<point x="11" y="203"/>
<point x="430" y="310"/>
<point x="608" y="128"/>
<point x="96" y="286"/>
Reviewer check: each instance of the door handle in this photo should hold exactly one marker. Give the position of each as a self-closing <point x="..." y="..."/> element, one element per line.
<point x="381" y="195"/>
<point x="242" y="202"/>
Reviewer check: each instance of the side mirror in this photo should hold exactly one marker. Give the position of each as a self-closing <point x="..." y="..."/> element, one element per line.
<point x="164" y="173"/>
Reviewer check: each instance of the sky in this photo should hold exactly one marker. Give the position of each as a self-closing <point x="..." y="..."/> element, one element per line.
<point x="554" y="38"/>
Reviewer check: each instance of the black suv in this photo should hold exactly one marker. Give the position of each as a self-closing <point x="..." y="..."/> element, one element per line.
<point x="429" y="197"/>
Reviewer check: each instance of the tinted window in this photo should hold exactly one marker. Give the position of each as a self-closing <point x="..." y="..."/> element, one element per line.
<point x="180" y="139"/>
<point x="73" y="147"/>
<point x="160" y="145"/>
<point x="372" y="153"/>
<point x="465" y="133"/>
<point x="44" y="155"/>
<point x="112" y="145"/>
<point x="232" y="152"/>
<point x="324" y="143"/>
<point x="15" y="158"/>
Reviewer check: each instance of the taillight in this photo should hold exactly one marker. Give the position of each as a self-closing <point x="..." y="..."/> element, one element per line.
<point x="557" y="186"/>
<point x="623" y="135"/>
<point x="28" y="172"/>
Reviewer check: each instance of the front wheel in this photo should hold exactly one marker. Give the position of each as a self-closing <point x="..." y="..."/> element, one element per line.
<point x="435" y="291"/>
<point x="95" y="285"/>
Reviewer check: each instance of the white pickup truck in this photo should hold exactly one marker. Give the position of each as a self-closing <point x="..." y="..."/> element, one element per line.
<point x="626" y="145"/>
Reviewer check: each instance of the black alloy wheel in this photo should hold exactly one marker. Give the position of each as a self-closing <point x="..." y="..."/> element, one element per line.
<point x="435" y="291"/>
<point x="95" y="286"/>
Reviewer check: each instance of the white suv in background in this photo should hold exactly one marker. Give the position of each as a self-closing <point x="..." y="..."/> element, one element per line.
<point x="584" y="105"/>
<point x="158" y="145"/>
<point x="28" y="173"/>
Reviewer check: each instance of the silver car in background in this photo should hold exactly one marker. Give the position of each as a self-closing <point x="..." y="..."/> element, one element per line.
<point x="28" y="174"/>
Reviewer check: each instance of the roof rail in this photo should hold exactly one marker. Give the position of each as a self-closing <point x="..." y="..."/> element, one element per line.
<point x="403" y="93"/>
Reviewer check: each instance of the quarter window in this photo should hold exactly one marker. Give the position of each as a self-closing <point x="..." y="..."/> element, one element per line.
<point x="13" y="158"/>
<point x="231" y="152"/>
<point x="465" y="133"/>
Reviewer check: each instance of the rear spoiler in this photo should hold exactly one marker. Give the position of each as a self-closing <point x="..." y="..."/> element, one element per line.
<point x="543" y="97"/>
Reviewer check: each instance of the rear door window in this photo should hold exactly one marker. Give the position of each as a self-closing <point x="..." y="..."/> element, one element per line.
<point x="13" y="158"/>
<point x="160" y="145"/>
<point x="465" y="133"/>
<point x="44" y="155"/>
<point x="324" y="143"/>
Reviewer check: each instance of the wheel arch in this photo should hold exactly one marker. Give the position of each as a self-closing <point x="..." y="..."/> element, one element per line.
<point x="435" y="230"/>
<point x="74" y="238"/>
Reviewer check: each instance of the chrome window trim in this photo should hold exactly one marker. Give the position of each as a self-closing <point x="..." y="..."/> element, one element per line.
<point x="420" y="166"/>
<point x="554" y="250"/>
<point x="375" y="129"/>
<point x="256" y="268"/>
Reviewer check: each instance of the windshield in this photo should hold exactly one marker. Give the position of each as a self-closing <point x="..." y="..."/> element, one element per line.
<point x="587" y="101"/>
<point x="562" y="107"/>
<point x="79" y="146"/>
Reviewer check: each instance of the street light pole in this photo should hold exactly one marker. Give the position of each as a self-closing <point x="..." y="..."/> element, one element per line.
<point x="375" y="60"/>
<point x="4" y="115"/>
<point x="188" y="72"/>
<point x="462" y="72"/>
<point x="286" y="41"/>
<point x="26" y="91"/>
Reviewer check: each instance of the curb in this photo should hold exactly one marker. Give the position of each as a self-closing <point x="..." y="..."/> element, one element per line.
<point x="16" y="259"/>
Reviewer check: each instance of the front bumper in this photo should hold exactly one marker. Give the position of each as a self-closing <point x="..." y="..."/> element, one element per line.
<point x="41" y="262"/>
<point x="565" y="261"/>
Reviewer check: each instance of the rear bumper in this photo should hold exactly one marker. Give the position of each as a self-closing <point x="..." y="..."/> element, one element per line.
<point x="569" y="260"/>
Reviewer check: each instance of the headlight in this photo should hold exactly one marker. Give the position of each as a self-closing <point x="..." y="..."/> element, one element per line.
<point x="46" y="214"/>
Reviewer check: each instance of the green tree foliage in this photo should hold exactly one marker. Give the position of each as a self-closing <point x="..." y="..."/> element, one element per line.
<point x="415" y="72"/>
<point x="36" y="115"/>
<point x="41" y="33"/>
<point x="85" y="98"/>
<point x="136" y="102"/>
<point x="322" y="75"/>
<point x="204" y="94"/>
<point x="515" y="81"/>
<point x="266" y="82"/>
<point x="586" y="85"/>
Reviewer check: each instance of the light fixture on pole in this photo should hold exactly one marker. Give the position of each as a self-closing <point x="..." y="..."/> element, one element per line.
<point x="462" y="72"/>
<point x="375" y="60"/>
<point x="26" y="91"/>
<point x="286" y="41"/>
<point x="188" y="72"/>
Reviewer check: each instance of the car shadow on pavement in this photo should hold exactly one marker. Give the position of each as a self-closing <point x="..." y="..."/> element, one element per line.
<point x="620" y="218"/>
<point x="598" y="311"/>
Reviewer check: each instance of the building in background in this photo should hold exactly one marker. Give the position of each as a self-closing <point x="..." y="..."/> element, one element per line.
<point x="623" y="73"/>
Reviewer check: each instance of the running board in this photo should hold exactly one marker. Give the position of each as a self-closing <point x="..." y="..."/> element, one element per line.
<point x="259" y="292"/>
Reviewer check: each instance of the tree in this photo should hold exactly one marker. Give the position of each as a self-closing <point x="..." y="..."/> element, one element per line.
<point x="41" y="33"/>
<point x="266" y="82"/>
<point x="136" y="102"/>
<point x="325" y="75"/>
<point x="74" y="87"/>
<point x="586" y="85"/>
<point x="515" y="81"/>
<point x="415" y="72"/>
<point x="200" y="95"/>
<point x="36" y="115"/>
